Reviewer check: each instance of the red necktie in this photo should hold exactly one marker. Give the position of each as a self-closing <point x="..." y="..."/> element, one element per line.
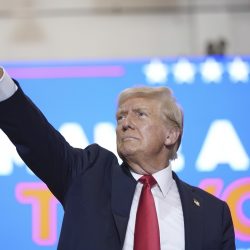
<point x="147" y="236"/>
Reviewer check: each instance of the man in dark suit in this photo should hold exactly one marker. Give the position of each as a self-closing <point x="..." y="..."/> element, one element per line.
<point x="106" y="205"/>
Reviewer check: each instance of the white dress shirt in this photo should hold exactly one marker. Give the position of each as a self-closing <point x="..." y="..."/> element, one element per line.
<point x="165" y="193"/>
<point x="7" y="86"/>
<point x="168" y="208"/>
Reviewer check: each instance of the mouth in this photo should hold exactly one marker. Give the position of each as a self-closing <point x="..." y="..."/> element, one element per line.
<point x="129" y="138"/>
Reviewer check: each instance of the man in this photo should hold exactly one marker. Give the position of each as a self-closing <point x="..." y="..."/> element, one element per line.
<point x="139" y="205"/>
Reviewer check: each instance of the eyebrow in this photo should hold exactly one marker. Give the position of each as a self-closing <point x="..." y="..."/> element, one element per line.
<point x="123" y="111"/>
<point x="141" y="109"/>
<point x="119" y="112"/>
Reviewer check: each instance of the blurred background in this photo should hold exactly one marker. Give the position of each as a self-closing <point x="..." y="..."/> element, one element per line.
<point x="76" y="29"/>
<point x="69" y="56"/>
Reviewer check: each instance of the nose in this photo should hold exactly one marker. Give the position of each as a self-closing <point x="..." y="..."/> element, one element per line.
<point x="127" y="123"/>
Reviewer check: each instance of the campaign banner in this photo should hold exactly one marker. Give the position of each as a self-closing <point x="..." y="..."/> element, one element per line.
<point x="79" y="98"/>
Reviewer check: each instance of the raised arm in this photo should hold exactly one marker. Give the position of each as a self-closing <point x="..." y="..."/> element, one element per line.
<point x="42" y="148"/>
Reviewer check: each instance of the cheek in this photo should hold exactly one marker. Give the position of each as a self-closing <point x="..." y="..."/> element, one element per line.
<point x="117" y="132"/>
<point x="157" y="133"/>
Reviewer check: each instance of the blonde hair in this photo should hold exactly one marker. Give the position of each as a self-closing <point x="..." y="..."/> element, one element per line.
<point x="171" y="110"/>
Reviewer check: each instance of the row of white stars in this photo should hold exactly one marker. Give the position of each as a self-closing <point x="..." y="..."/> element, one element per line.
<point x="184" y="71"/>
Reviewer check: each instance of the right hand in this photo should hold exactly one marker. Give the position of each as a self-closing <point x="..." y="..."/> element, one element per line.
<point x="1" y="72"/>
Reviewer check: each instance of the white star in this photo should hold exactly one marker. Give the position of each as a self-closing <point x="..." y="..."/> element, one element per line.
<point x="211" y="71"/>
<point x="184" y="71"/>
<point x="238" y="70"/>
<point x="156" y="71"/>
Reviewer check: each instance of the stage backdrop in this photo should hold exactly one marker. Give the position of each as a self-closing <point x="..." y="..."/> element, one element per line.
<point x="79" y="98"/>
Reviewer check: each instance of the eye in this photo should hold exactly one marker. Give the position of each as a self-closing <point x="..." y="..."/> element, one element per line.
<point x="120" y="117"/>
<point x="141" y="113"/>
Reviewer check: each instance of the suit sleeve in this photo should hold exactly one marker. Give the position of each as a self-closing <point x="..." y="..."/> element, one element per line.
<point x="228" y="241"/>
<point x="43" y="149"/>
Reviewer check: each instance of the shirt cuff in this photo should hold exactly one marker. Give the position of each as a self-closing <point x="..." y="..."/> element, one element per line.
<point x="7" y="86"/>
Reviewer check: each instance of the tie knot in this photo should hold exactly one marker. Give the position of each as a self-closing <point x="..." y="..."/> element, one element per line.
<point x="148" y="180"/>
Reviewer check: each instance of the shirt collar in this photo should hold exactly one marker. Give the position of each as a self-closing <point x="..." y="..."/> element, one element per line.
<point x="163" y="177"/>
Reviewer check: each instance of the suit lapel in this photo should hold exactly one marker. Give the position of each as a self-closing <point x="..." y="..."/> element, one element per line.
<point x="192" y="207"/>
<point x="123" y="188"/>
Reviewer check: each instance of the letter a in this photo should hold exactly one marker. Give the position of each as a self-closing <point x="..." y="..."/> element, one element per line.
<point x="222" y="146"/>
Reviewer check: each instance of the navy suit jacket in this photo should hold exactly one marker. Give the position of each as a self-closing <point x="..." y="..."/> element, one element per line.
<point x="95" y="192"/>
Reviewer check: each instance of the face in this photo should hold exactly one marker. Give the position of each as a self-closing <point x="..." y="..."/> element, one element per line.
<point x="141" y="131"/>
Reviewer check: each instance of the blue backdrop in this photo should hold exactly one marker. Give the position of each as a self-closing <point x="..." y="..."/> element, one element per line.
<point x="79" y="99"/>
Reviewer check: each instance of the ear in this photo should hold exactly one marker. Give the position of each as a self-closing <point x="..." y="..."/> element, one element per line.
<point x="172" y="135"/>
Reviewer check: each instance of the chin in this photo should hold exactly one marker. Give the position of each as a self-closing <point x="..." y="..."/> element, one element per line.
<point x="125" y="153"/>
